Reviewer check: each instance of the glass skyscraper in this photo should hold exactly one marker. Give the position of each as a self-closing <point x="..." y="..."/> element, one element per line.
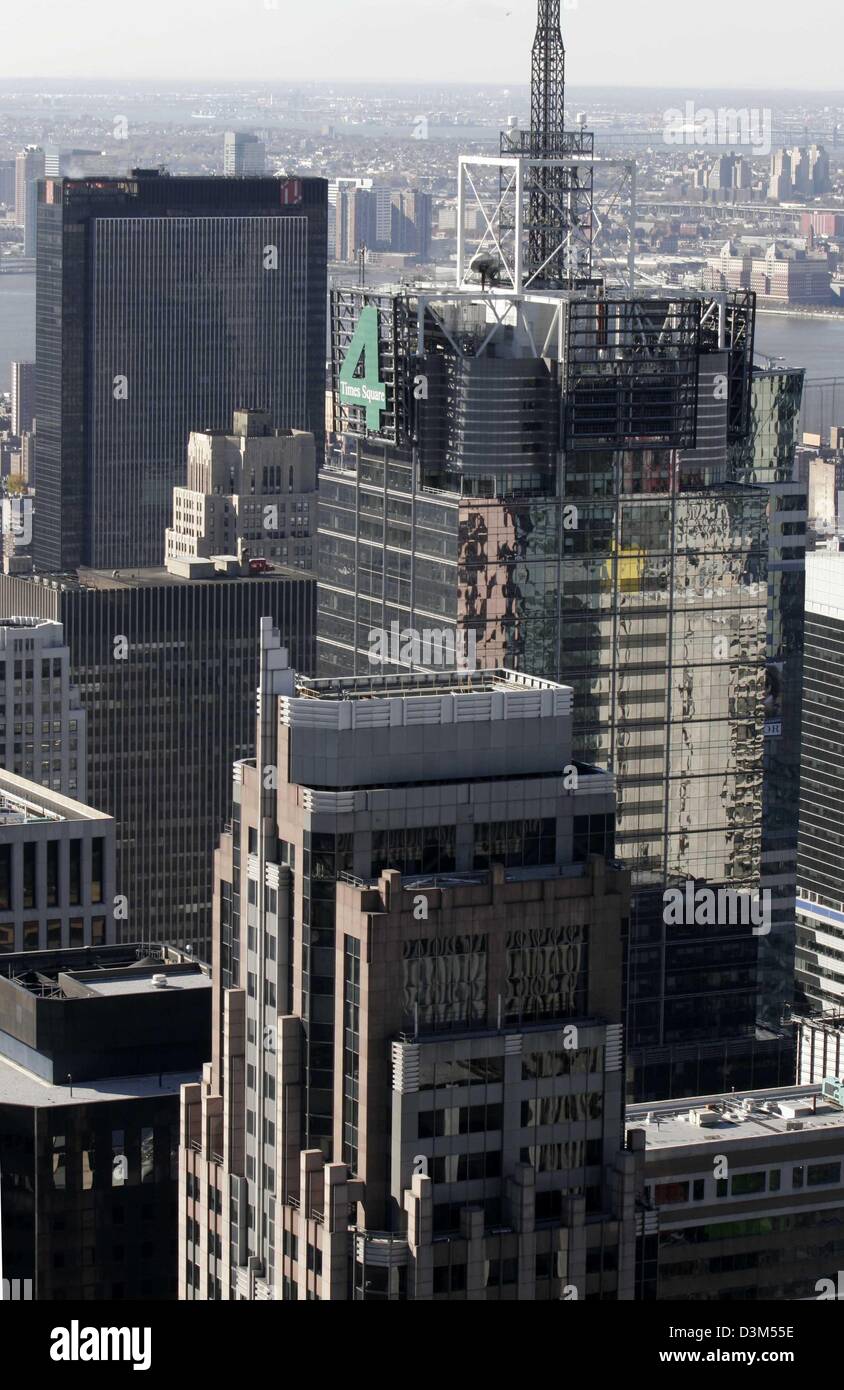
<point x="163" y="305"/>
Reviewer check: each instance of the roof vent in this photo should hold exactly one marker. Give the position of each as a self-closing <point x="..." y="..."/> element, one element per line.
<point x="159" y="981"/>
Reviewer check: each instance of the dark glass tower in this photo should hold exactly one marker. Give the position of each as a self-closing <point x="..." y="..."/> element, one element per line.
<point x="163" y="305"/>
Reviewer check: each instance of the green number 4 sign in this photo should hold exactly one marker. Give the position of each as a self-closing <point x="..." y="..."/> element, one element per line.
<point x="367" y="390"/>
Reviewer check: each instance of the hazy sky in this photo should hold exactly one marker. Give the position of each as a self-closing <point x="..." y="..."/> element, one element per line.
<point x="702" y="43"/>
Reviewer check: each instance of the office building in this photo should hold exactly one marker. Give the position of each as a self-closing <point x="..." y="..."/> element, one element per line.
<point x="250" y="495"/>
<point x="29" y="168"/>
<point x="7" y="184"/>
<point x="166" y="669"/>
<point x="23" y="397"/>
<point x="765" y="457"/>
<point x="418" y="960"/>
<point x="57" y="876"/>
<point x="744" y="1195"/>
<point x="43" y="726"/>
<point x="191" y="298"/>
<point x="244" y="155"/>
<point x="541" y="461"/>
<point x="820" y="868"/>
<point x="94" y="1046"/>
<point x="783" y="274"/>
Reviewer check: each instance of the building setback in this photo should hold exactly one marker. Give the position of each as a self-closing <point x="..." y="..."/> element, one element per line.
<point x="429" y="1056"/>
<point x="57" y="883"/>
<point x="166" y="669"/>
<point x="94" y="1045"/>
<point x="163" y="305"/>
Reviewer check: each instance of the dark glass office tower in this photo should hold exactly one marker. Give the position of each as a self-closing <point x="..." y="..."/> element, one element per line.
<point x="163" y="305"/>
<point x="166" y="669"/>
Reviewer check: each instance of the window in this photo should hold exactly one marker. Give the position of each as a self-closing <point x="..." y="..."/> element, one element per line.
<point x="147" y="1156"/>
<point x="29" y="875"/>
<point x="119" y="1165"/>
<point x="59" y="1161"/>
<point x="819" y="1173"/>
<point x="97" y="869"/>
<point x="744" y="1184"/>
<point x="75" y="873"/>
<point x="667" y="1192"/>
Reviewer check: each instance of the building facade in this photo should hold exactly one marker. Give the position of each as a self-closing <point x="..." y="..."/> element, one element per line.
<point x="744" y="1196"/>
<point x="57" y="871"/>
<point x="250" y="495"/>
<point x="166" y="670"/>
<point x="43" y="726"/>
<point x="820" y="868"/>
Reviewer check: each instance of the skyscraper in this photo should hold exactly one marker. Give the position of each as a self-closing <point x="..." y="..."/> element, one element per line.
<point x="244" y="154"/>
<point x="191" y="298"/>
<point x="29" y="168"/>
<point x="419" y="963"/>
<point x="542" y="459"/>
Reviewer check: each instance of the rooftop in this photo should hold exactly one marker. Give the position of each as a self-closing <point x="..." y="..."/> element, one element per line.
<point x="423" y="683"/>
<point x="23" y="802"/>
<point x="90" y="579"/>
<point x="21" y="1087"/>
<point x="745" y="1115"/>
<point x="100" y="971"/>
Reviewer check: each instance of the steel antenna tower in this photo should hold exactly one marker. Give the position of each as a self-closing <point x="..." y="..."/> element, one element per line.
<point x="547" y="222"/>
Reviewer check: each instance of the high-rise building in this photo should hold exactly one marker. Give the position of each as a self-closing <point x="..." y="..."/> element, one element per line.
<point x="23" y="396"/>
<point x="244" y="154"/>
<point x="820" y="868"/>
<point x="541" y="460"/>
<point x="418" y="961"/>
<point x="250" y="495"/>
<point x="57" y="874"/>
<point x="29" y="168"/>
<point x="412" y="223"/>
<point x="94" y="1047"/>
<point x="189" y="298"/>
<point x="166" y="669"/>
<point x="765" y="458"/>
<point x="7" y="184"/>
<point x="43" y="726"/>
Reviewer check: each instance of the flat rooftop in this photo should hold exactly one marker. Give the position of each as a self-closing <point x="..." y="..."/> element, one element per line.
<point x="21" y="1087"/>
<point x="15" y="811"/>
<point x="98" y="972"/>
<point x="375" y="687"/>
<point x="153" y="577"/>
<point x="23" y="802"/>
<point x="743" y="1115"/>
